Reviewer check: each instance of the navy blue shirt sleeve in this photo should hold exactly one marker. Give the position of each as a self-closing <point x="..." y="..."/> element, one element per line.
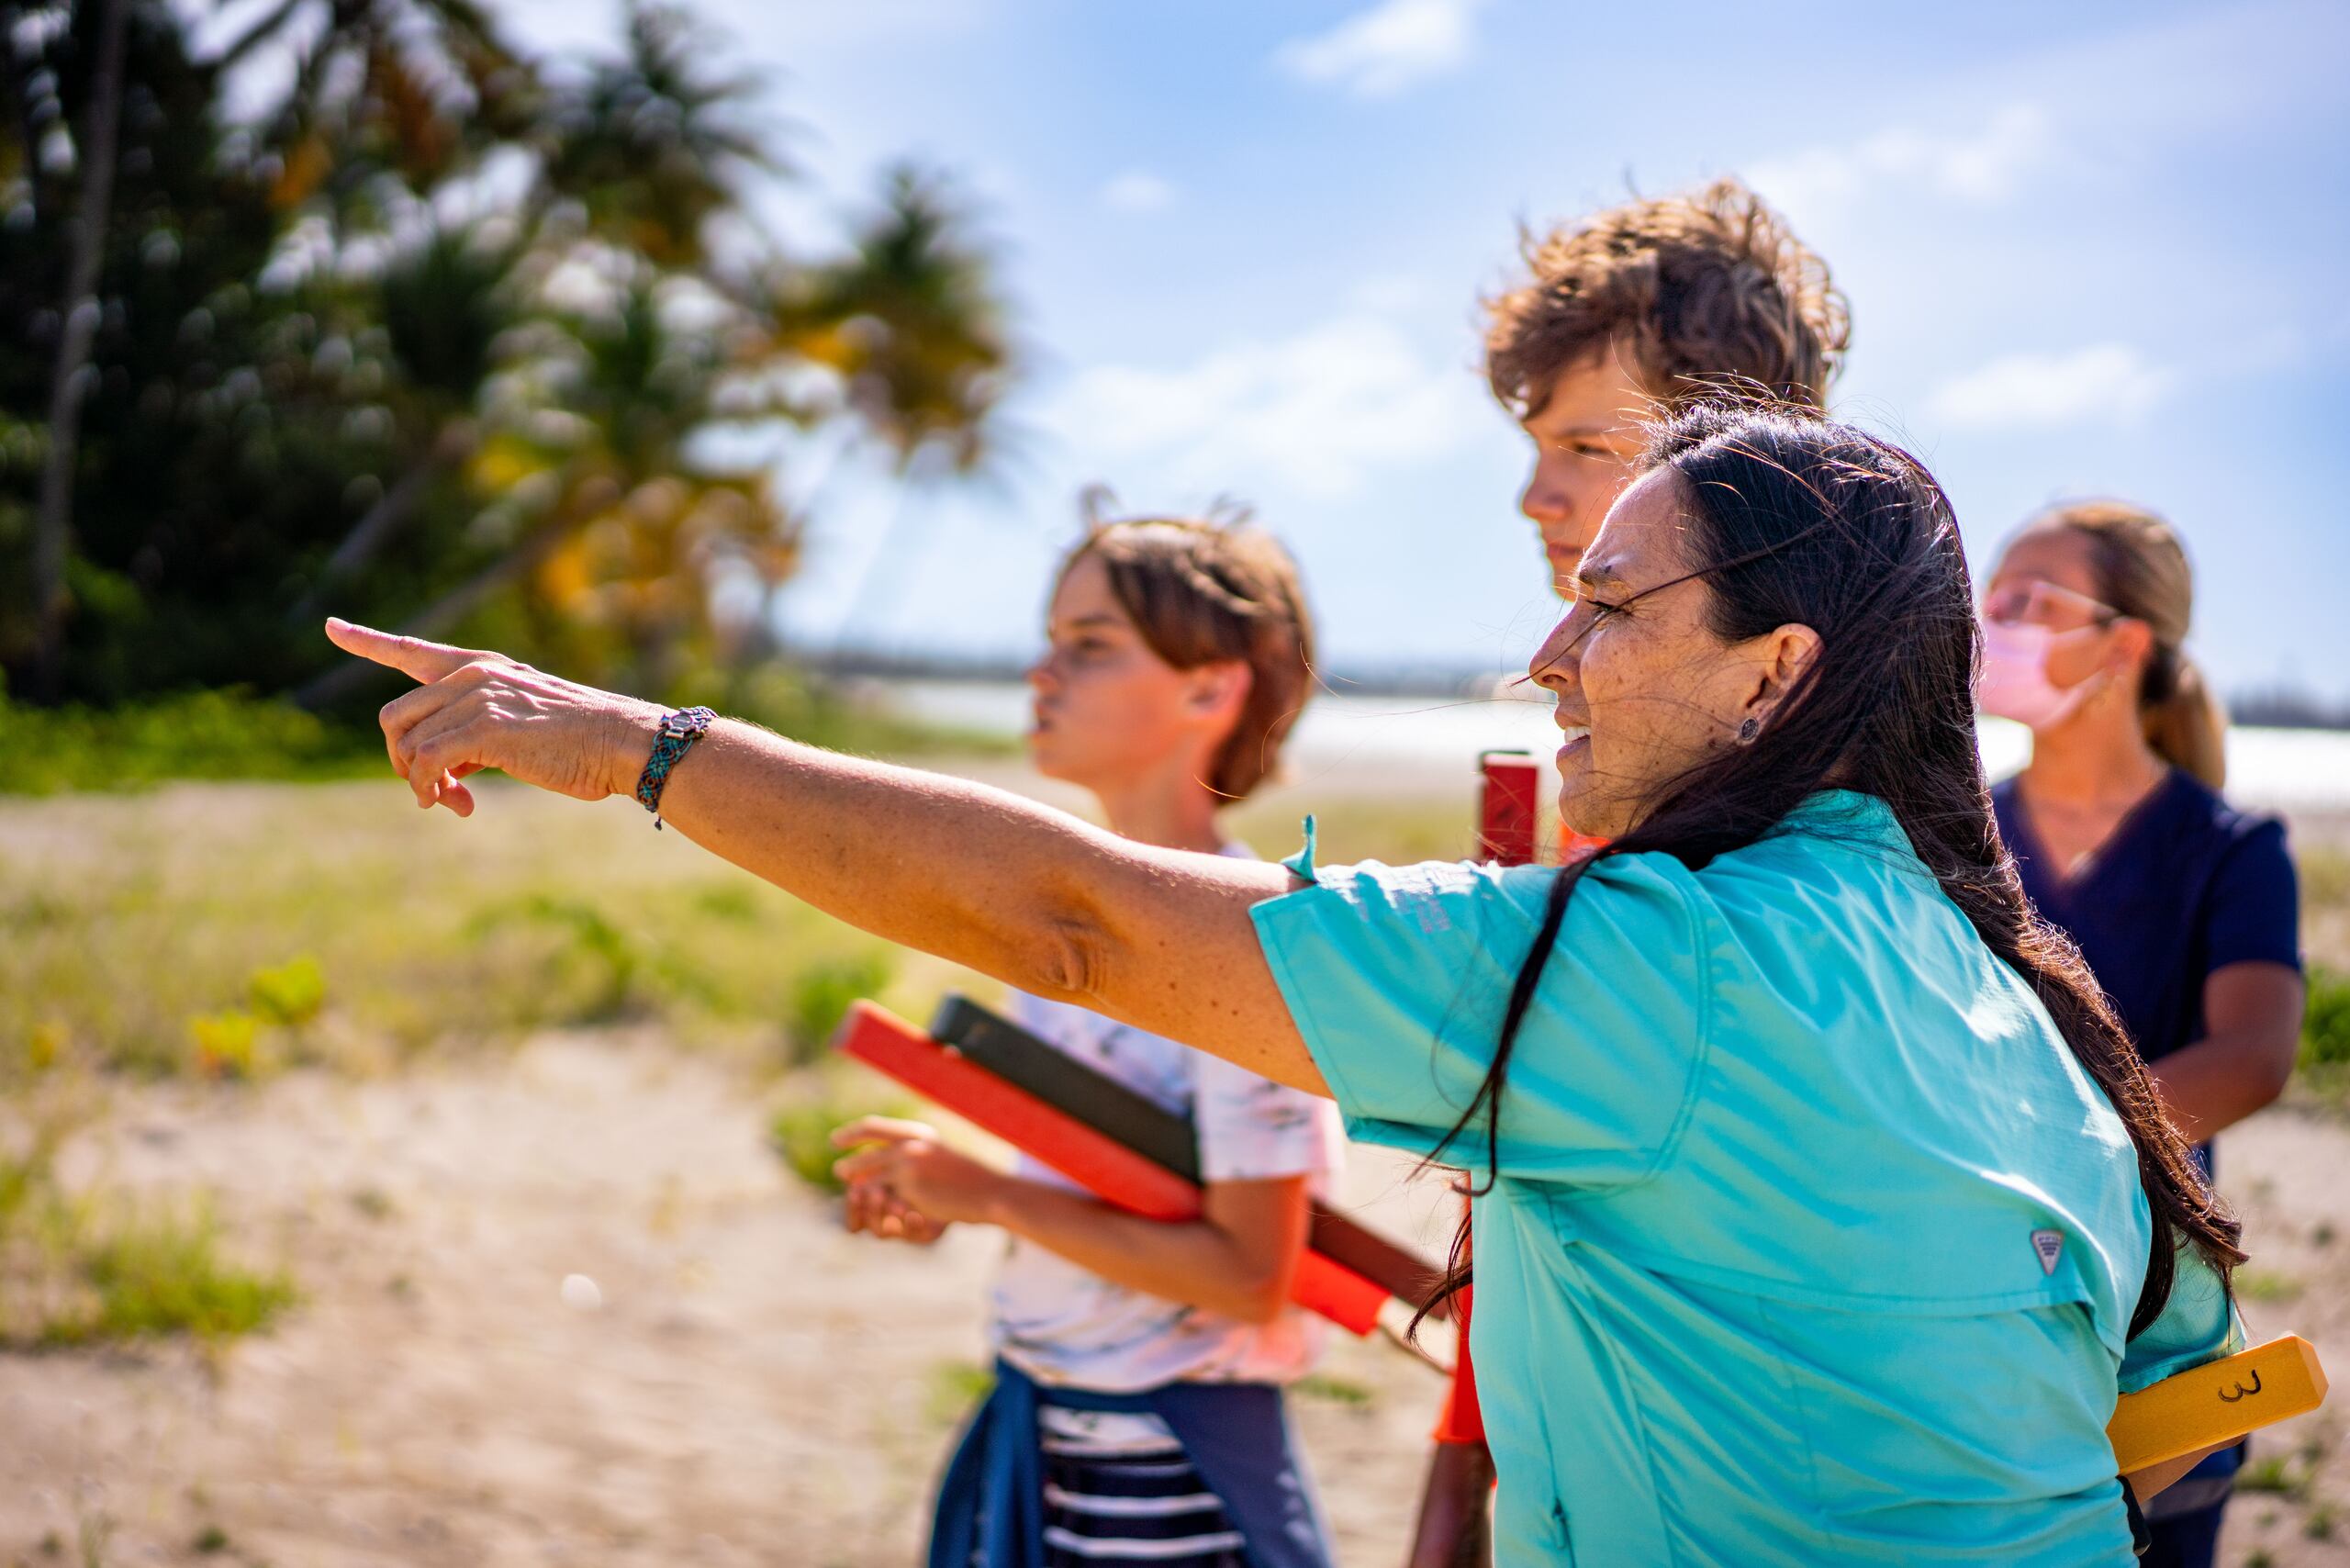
<point x="2255" y="909"/>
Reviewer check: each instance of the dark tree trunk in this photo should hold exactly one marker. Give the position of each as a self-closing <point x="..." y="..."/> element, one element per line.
<point x="77" y="331"/>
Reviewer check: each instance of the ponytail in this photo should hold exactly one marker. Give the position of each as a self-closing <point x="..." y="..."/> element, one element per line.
<point x="2185" y="723"/>
<point x="2143" y="571"/>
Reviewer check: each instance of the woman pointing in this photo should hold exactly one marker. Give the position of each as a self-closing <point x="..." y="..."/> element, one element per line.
<point x="1826" y="1207"/>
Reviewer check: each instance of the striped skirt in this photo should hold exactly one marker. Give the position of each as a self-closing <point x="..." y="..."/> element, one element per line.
<point x="1118" y="1489"/>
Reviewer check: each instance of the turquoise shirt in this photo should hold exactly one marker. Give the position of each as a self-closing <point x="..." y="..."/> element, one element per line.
<point x="1811" y="1242"/>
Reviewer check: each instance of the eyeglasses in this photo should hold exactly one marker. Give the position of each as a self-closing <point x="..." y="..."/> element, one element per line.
<point x="2035" y="602"/>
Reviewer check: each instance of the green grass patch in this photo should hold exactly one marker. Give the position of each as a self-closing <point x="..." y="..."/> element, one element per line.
<point x="955" y="1388"/>
<point x="231" y="933"/>
<point x="2325" y="1026"/>
<point x="233" y="734"/>
<point x="801" y="1136"/>
<point x="160" y="1273"/>
<point x="814" y="1105"/>
<point x="201" y="734"/>
<point x="820" y="998"/>
<point x="85" y="1270"/>
<point x="2324" y="1072"/>
<point x="2270" y="1473"/>
<point x="2325" y="877"/>
<point x="2266" y="1284"/>
<point x="1335" y="1390"/>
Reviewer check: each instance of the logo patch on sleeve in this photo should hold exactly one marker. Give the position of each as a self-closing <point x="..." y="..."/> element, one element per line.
<point x="2048" y="1246"/>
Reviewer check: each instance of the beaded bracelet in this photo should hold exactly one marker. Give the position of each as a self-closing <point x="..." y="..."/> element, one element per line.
<point x="678" y="731"/>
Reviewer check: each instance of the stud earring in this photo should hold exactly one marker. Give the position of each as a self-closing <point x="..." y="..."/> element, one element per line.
<point x="1748" y="731"/>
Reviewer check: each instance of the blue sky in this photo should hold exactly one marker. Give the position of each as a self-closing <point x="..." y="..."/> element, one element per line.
<point x="2094" y="248"/>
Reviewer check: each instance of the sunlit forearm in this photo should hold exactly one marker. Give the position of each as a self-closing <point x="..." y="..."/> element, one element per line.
<point x="974" y="874"/>
<point x="2251" y="1017"/>
<point x="2217" y="1082"/>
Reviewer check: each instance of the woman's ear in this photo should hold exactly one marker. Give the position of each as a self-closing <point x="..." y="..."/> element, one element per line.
<point x="1219" y="690"/>
<point x="2133" y="643"/>
<point x="1783" y="655"/>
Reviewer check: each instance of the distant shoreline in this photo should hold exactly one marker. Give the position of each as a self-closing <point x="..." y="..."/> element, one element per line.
<point x="2266" y="708"/>
<point x="1414" y="740"/>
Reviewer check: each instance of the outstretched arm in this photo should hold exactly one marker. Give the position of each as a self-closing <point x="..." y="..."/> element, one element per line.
<point x="1157" y="938"/>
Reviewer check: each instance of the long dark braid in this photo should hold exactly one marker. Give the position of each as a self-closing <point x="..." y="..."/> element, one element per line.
<point x="1810" y="523"/>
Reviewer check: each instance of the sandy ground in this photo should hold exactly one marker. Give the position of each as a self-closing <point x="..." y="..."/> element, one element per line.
<point x="755" y="1387"/>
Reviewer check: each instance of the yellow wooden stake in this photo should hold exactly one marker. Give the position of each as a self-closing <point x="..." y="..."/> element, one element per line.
<point x="2215" y="1404"/>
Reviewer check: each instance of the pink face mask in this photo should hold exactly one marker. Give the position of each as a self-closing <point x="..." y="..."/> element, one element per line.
<point x="2015" y="682"/>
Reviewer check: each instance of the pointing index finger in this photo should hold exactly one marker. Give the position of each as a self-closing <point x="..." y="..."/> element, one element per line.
<point x="412" y="656"/>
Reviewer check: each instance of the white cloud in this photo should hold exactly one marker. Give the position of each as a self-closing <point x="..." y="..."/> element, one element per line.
<point x="1394" y="45"/>
<point x="1984" y="164"/>
<point x="1316" y="413"/>
<point x="2110" y="382"/>
<point x="1137" y="191"/>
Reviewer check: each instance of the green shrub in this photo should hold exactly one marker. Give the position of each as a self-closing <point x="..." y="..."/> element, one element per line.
<point x="821" y="995"/>
<point x="2273" y="1473"/>
<point x="289" y="994"/>
<point x="2326" y="1027"/>
<point x="956" y="1388"/>
<point x="226" y="1044"/>
<point x="21" y="1177"/>
<point x="800" y="1132"/>
<point x="1335" y="1390"/>
<point x="802" y="1136"/>
<point x="201" y="734"/>
<point x="588" y="976"/>
<point x="233" y="734"/>
<point x="2266" y="1284"/>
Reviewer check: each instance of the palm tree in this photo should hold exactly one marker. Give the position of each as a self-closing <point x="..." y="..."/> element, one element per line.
<point x="914" y="326"/>
<point x="912" y="323"/>
<point x="418" y="89"/>
<point x="652" y="145"/>
<point x="646" y="150"/>
<point x="347" y="291"/>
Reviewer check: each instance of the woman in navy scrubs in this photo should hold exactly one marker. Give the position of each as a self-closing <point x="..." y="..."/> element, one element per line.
<point x="2185" y="907"/>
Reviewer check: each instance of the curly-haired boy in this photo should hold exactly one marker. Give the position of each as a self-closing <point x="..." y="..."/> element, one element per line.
<point x="1650" y="304"/>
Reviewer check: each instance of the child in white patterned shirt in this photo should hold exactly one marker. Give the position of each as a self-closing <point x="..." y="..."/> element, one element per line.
<point x="1137" y="1410"/>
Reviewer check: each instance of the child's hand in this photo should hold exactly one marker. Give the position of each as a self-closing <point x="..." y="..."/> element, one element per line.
<point x="874" y="1210"/>
<point x="907" y="1162"/>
